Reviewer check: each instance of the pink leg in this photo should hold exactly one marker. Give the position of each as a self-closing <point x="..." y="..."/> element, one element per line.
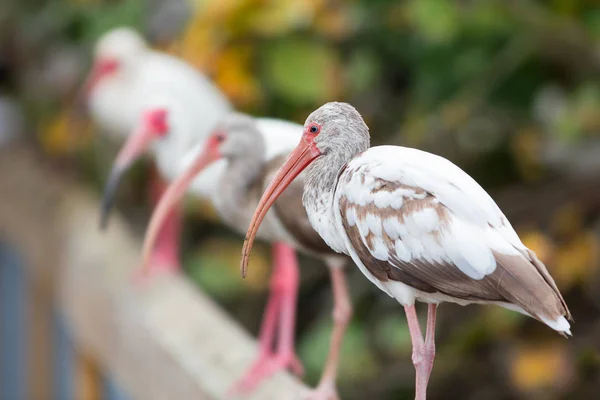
<point x="430" y="337"/>
<point x="342" y="312"/>
<point x="281" y="310"/>
<point x="423" y="350"/>
<point x="289" y="280"/>
<point x="269" y="322"/>
<point x="165" y="256"/>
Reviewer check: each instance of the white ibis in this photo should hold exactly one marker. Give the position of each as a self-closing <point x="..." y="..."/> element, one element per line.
<point x="161" y="103"/>
<point x="126" y="75"/>
<point x="154" y="100"/>
<point x="416" y="225"/>
<point x="238" y="140"/>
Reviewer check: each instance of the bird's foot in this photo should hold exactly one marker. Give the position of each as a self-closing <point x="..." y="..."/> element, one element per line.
<point x="325" y="391"/>
<point x="263" y="368"/>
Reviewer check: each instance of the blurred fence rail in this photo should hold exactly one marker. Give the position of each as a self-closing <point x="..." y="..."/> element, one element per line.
<point x="72" y="324"/>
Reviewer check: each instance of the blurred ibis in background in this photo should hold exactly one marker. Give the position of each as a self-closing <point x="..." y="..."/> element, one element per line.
<point x="160" y="103"/>
<point x="415" y="224"/>
<point x="154" y="101"/>
<point x="238" y="140"/>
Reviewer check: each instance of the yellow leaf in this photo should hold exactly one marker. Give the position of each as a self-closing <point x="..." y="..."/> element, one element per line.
<point x="200" y="45"/>
<point x="64" y="134"/>
<point x="540" y="244"/>
<point x="234" y="77"/>
<point x="278" y="17"/>
<point x="576" y="260"/>
<point x="541" y="367"/>
<point x="220" y="11"/>
<point x="172" y="48"/>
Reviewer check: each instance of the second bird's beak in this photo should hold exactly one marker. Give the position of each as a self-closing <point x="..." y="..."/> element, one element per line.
<point x="298" y="160"/>
<point x="135" y="146"/>
<point x="173" y="196"/>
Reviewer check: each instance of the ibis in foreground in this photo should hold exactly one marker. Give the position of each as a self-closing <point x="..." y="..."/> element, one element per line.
<point x="415" y="224"/>
<point x="248" y="172"/>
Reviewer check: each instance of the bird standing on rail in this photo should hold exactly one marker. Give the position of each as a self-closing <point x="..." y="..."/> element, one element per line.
<point x="248" y="172"/>
<point x="416" y="225"/>
<point x="159" y="102"/>
<point x="152" y="100"/>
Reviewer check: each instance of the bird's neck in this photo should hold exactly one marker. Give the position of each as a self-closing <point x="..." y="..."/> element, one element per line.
<point x="321" y="176"/>
<point x="318" y="197"/>
<point x="322" y="173"/>
<point x="236" y="196"/>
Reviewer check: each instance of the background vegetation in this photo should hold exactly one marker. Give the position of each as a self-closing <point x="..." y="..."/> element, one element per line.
<point x="508" y="90"/>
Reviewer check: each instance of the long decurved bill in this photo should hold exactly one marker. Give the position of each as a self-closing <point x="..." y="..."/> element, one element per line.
<point x="135" y="146"/>
<point x="297" y="161"/>
<point x="171" y="198"/>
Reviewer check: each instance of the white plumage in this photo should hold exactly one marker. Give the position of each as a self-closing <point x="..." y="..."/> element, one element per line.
<point x="280" y="137"/>
<point x="474" y="230"/>
<point x="148" y="80"/>
<point x="416" y="225"/>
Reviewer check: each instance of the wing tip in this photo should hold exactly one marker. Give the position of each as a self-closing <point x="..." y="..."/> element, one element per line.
<point x="560" y="324"/>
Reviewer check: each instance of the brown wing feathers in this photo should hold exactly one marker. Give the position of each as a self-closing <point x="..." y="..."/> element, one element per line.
<point x="516" y="279"/>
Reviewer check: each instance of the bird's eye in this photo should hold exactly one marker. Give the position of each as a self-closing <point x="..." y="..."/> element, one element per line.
<point x="220" y="138"/>
<point x="314" y="128"/>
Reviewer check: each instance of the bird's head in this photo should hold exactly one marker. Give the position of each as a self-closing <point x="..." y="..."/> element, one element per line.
<point x="234" y="138"/>
<point x="334" y="130"/>
<point x="116" y="55"/>
<point x="153" y="125"/>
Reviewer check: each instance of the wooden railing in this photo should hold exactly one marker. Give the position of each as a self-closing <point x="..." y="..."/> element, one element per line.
<point x="73" y="326"/>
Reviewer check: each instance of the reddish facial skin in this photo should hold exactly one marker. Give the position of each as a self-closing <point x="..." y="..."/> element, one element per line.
<point x="102" y="69"/>
<point x="298" y="160"/>
<point x="175" y="193"/>
<point x="154" y="125"/>
<point x="156" y="120"/>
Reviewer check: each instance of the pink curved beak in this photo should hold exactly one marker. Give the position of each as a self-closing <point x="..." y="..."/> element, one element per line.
<point x="298" y="160"/>
<point x="173" y="196"/>
<point x="152" y="124"/>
